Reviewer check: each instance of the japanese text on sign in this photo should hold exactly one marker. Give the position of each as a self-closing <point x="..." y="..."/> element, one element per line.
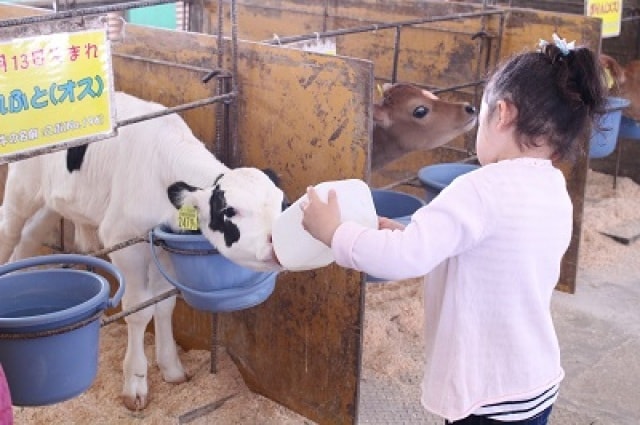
<point x="610" y="11"/>
<point x="53" y="89"/>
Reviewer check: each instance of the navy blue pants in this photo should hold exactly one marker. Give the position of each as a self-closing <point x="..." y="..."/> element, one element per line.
<point x="539" y="419"/>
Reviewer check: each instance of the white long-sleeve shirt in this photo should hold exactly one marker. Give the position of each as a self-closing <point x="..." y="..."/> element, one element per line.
<point x="491" y="246"/>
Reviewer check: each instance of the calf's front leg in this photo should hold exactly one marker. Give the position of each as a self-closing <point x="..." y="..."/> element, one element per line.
<point x="132" y="263"/>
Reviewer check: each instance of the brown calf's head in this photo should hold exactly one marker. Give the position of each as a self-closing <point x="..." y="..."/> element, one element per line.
<point x="411" y="119"/>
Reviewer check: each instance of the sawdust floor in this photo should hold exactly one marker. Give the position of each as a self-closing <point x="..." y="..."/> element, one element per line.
<point x="392" y="343"/>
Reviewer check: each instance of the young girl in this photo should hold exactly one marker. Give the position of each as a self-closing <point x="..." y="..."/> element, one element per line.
<point x="491" y="243"/>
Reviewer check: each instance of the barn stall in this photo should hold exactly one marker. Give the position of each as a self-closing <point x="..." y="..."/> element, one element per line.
<point x="308" y="116"/>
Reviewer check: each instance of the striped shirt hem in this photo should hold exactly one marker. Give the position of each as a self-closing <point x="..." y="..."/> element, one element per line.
<point x="517" y="410"/>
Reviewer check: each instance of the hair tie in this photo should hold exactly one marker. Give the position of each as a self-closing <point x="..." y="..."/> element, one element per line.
<point x="560" y="43"/>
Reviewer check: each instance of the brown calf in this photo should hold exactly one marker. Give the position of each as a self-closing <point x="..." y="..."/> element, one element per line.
<point x="411" y="119"/>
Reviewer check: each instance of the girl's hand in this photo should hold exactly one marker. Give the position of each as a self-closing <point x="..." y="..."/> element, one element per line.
<point x="387" y="223"/>
<point x="321" y="219"/>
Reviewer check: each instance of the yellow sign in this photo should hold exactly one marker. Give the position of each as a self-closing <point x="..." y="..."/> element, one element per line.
<point x="54" y="89"/>
<point x="610" y="11"/>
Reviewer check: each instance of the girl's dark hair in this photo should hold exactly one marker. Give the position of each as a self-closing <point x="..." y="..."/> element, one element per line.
<point x="559" y="96"/>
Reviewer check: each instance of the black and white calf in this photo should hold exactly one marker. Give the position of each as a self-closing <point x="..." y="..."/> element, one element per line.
<point x="120" y="188"/>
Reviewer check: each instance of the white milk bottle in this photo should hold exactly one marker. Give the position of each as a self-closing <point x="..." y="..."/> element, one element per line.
<point x="296" y="249"/>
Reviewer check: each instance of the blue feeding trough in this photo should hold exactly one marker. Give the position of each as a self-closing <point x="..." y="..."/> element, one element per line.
<point x="603" y="142"/>
<point x="629" y="129"/>
<point x="207" y="280"/>
<point x="436" y="177"/>
<point x="396" y="205"/>
<point x="49" y="327"/>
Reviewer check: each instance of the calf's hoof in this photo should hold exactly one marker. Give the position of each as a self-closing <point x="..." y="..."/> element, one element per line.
<point x="179" y="379"/>
<point x="135" y="403"/>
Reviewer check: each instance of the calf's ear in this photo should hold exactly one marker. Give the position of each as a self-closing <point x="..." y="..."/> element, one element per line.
<point x="177" y="191"/>
<point x="273" y="176"/>
<point x="381" y="116"/>
<point x="429" y="95"/>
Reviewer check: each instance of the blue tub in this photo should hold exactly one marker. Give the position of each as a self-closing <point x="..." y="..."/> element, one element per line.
<point x="396" y="205"/>
<point x="49" y="327"/>
<point x="207" y="280"/>
<point x="629" y="129"/>
<point x="603" y="142"/>
<point x="436" y="177"/>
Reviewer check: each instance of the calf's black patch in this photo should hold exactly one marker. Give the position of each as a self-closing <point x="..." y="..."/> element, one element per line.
<point x="75" y="157"/>
<point x="220" y="217"/>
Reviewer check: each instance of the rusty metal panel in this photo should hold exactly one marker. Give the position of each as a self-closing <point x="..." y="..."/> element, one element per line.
<point x="314" y="126"/>
<point x="265" y="23"/>
<point x="306" y="116"/>
<point x="160" y="83"/>
<point x="8" y="11"/>
<point x="524" y="28"/>
<point x="269" y="18"/>
<point x="445" y="58"/>
<point x="426" y="56"/>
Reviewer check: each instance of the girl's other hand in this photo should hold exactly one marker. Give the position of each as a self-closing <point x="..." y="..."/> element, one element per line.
<point x="387" y="223"/>
<point x="321" y="219"/>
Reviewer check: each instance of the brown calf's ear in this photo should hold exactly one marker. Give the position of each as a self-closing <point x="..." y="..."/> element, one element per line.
<point x="381" y="116"/>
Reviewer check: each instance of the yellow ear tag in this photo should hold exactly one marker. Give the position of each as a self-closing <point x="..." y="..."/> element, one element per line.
<point x="380" y="90"/>
<point x="608" y="78"/>
<point x="188" y="218"/>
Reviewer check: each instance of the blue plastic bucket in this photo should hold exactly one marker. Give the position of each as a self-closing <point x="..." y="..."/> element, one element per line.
<point x="49" y="327"/>
<point x="629" y="129"/>
<point x="436" y="177"/>
<point x="603" y="142"/>
<point x="396" y="205"/>
<point x="207" y="280"/>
